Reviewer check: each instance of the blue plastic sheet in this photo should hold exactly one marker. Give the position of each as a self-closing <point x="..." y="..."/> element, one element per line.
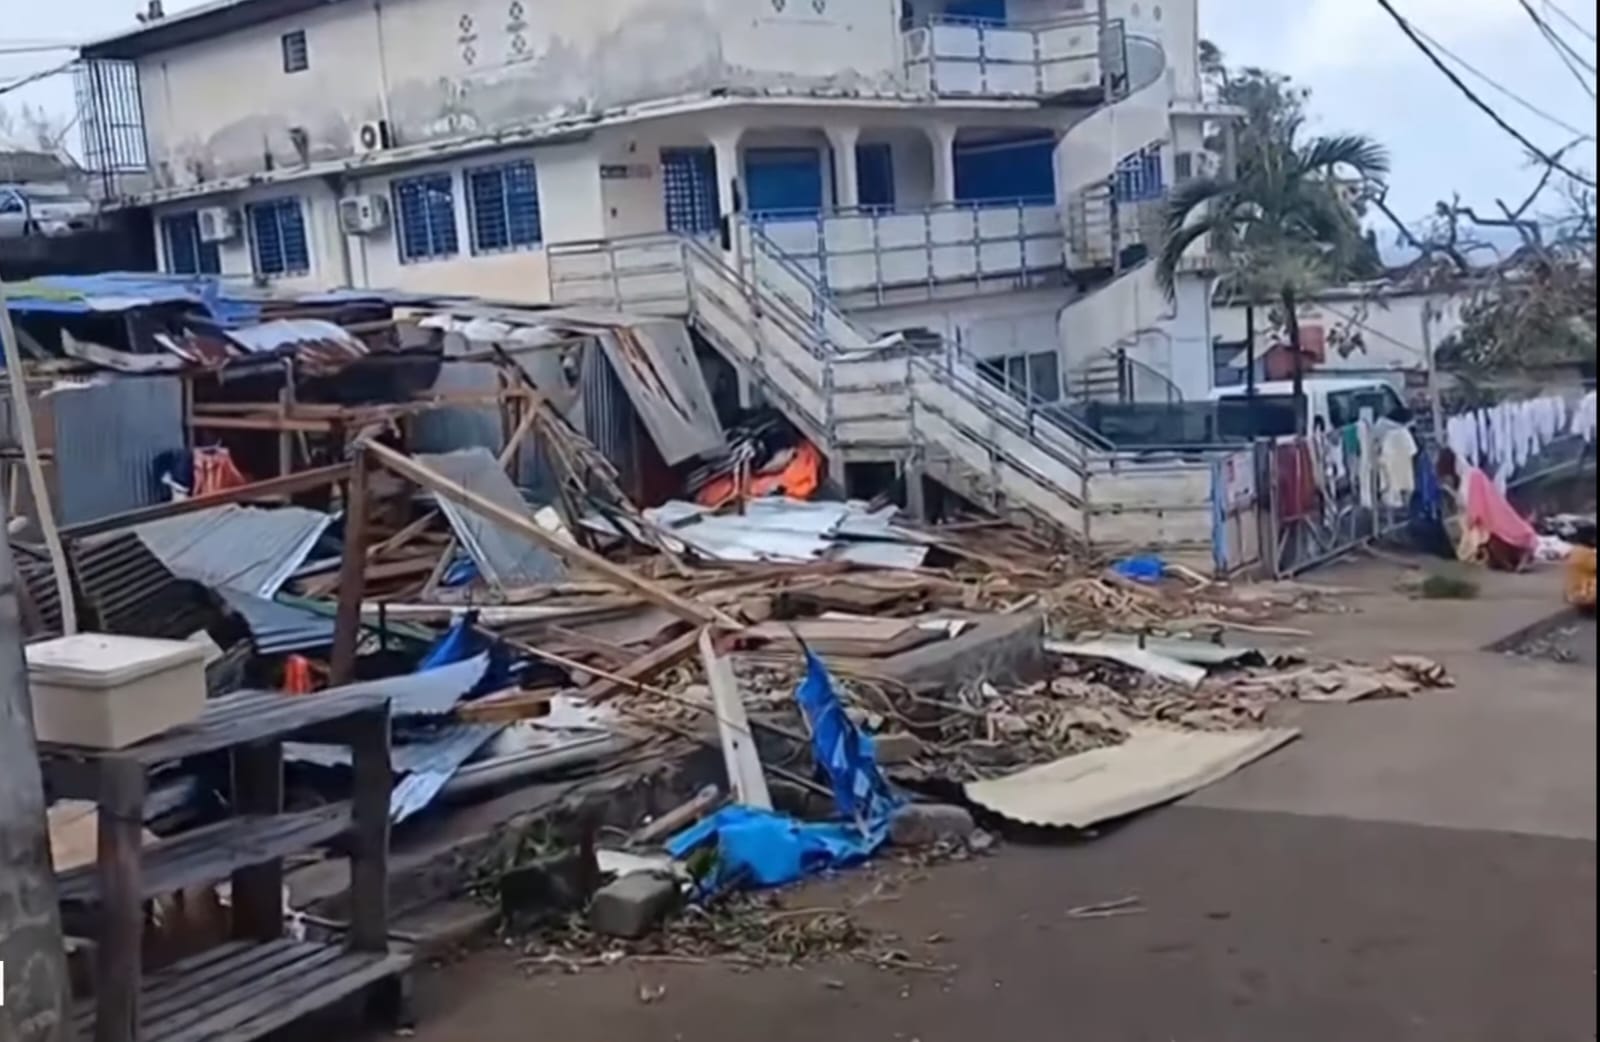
<point x="1146" y="568"/>
<point x="764" y="848"/>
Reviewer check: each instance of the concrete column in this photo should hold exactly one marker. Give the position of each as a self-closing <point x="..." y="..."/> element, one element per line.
<point x="846" y="176"/>
<point x="942" y="137"/>
<point x="725" y="143"/>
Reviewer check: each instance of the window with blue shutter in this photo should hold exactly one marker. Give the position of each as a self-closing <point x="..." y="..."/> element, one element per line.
<point x="977" y="12"/>
<point x="186" y="254"/>
<point x="875" y="174"/>
<point x="503" y="202"/>
<point x="689" y="189"/>
<point x="425" y="217"/>
<point x="278" y="242"/>
<point x="1007" y="170"/>
<point x="783" y="182"/>
<point x="1140" y="177"/>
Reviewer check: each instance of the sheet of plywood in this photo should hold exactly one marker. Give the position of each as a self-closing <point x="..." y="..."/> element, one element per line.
<point x="1154" y="766"/>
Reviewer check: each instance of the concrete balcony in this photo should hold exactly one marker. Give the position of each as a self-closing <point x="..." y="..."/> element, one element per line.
<point x="1066" y="59"/>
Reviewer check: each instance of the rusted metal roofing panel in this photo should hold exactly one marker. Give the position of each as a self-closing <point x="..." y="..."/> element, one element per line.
<point x="656" y="363"/>
<point x="126" y="589"/>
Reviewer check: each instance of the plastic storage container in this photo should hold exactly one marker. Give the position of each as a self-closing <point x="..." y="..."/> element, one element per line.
<point x="107" y="691"/>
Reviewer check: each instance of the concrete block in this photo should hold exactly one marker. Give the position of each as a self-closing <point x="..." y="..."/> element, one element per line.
<point x="924" y="824"/>
<point x="896" y="747"/>
<point x="1003" y="649"/>
<point x="633" y="905"/>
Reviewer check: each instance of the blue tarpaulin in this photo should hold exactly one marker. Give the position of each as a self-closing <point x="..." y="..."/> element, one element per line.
<point x="1147" y="568"/>
<point x="764" y="848"/>
<point x="123" y="291"/>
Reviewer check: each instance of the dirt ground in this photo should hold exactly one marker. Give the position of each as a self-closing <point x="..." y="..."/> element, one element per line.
<point x="1418" y="870"/>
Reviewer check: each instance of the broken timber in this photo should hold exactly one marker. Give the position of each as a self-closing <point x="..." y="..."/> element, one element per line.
<point x="745" y="776"/>
<point x="578" y="556"/>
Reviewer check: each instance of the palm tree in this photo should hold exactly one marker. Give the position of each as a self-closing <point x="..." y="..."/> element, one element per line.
<point x="1285" y="225"/>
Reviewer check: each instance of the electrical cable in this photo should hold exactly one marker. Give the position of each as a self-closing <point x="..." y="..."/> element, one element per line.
<point x="1472" y="96"/>
<point x="1555" y="8"/>
<point x="1563" y="50"/>
<point x="35" y="77"/>
<point x="1495" y="85"/>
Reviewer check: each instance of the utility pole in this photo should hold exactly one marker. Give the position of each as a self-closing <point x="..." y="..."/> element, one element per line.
<point x="32" y="955"/>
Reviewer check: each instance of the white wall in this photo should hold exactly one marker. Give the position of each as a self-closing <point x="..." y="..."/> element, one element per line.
<point x="987" y="326"/>
<point x="321" y="216"/>
<point x="1390" y="329"/>
<point x="224" y="106"/>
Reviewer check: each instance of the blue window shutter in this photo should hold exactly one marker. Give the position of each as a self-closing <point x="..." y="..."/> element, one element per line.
<point x="278" y="237"/>
<point x="875" y="169"/>
<point x="784" y="182"/>
<point x="1007" y="170"/>
<point x="182" y="237"/>
<point x="503" y="202"/>
<point x="689" y="190"/>
<point x="980" y="12"/>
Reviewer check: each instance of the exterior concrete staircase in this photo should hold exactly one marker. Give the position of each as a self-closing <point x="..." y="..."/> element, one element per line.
<point x="859" y="399"/>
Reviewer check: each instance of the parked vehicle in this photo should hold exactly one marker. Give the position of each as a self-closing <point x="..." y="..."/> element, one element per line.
<point x="1329" y="404"/>
<point x="44" y="208"/>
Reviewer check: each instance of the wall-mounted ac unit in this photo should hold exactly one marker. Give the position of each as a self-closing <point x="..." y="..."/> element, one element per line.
<point x="364" y="214"/>
<point x="217" y="224"/>
<point x="373" y="136"/>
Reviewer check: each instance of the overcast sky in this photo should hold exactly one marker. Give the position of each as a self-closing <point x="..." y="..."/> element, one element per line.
<point x="1365" y="76"/>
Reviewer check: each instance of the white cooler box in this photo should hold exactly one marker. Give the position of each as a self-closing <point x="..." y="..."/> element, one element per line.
<point x="107" y="691"/>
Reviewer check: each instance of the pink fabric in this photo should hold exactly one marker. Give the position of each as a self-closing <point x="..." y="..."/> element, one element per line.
<point x="1488" y="510"/>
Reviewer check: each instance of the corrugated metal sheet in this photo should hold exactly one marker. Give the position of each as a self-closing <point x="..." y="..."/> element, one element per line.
<point x="427" y="760"/>
<point x="504" y="559"/>
<point x="608" y="418"/>
<point x="277" y="629"/>
<point x="105" y="440"/>
<point x="242" y="548"/>
<point x="656" y="364"/>
<point x="1154" y="766"/>
<point x="126" y="589"/>
<point x="429" y="693"/>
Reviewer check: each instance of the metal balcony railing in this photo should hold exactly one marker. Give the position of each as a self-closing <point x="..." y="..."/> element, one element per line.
<point x="963" y="58"/>
<point x="875" y="251"/>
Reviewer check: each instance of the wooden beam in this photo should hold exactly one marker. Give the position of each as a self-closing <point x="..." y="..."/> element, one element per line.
<point x="352" y="572"/>
<point x="745" y="777"/>
<point x="577" y="556"/>
<point x="641" y="669"/>
<point x="281" y="486"/>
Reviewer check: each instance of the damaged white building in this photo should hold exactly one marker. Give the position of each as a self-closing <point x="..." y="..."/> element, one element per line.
<point x="800" y="180"/>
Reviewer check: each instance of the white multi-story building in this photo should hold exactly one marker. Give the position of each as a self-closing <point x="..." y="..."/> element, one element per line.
<point x="798" y="178"/>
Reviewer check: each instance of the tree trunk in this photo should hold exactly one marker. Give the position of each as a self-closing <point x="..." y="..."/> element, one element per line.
<point x="31" y="949"/>
<point x="1296" y="359"/>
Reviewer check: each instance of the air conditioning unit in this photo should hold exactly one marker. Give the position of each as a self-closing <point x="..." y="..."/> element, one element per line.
<point x="373" y="136"/>
<point x="364" y="214"/>
<point x="217" y="224"/>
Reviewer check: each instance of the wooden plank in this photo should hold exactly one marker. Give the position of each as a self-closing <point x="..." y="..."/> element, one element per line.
<point x="207" y="1019"/>
<point x="745" y="776"/>
<point x="272" y="487"/>
<point x="577" y="556"/>
<point x="641" y="669"/>
<point x="352" y="573"/>
<point x="369" y="860"/>
<point x="233" y="977"/>
<point x="211" y="854"/>
<point x="259" y="1014"/>
<point x="258" y="888"/>
<point x="119" y="960"/>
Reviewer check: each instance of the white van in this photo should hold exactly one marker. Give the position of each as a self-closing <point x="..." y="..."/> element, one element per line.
<point x="1329" y="404"/>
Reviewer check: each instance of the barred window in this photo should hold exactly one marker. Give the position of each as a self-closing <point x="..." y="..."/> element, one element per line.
<point x="689" y="182"/>
<point x="296" y="55"/>
<point x="503" y="203"/>
<point x="278" y="237"/>
<point x="186" y="254"/>
<point x="425" y="217"/>
<point x="1139" y="177"/>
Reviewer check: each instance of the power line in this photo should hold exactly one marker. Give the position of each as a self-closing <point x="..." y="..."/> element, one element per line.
<point x="1488" y="110"/>
<point x="1563" y="50"/>
<point x="1555" y="9"/>
<point x="1495" y="85"/>
<point x="35" y="48"/>
<point x="35" y="77"/>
